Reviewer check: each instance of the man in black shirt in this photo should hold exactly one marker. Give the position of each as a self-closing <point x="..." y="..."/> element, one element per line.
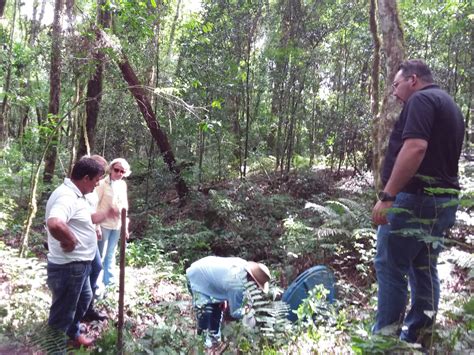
<point x="420" y="176"/>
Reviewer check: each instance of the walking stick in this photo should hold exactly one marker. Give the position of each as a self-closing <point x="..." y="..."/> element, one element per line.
<point x="121" y="282"/>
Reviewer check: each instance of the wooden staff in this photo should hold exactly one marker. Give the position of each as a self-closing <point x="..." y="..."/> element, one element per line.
<point x="121" y="282"/>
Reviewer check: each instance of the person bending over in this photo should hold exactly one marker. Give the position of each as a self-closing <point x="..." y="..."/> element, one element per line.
<point x="214" y="281"/>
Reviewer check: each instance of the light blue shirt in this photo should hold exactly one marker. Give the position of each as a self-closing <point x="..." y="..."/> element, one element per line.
<point x="215" y="279"/>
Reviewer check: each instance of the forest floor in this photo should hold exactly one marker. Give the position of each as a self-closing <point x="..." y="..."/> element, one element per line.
<point x="157" y="304"/>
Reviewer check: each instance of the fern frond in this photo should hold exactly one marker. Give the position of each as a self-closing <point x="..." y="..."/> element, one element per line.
<point x="324" y="232"/>
<point x="326" y="212"/>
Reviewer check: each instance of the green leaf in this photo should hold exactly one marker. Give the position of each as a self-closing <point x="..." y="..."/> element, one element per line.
<point x="469" y="306"/>
<point x="216" y="104"/>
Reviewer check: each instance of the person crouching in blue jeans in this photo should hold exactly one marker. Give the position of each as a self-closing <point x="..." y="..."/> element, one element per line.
<point x="214" y="281"/>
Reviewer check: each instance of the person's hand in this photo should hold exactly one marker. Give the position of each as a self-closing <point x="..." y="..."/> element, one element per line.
<point x="379" y="212"/>
<point x="98" y="232"/>
<point x="112" y="213"/>
<point x="68" y="245"/>
<point x="249" y="319"/>
<point x="127" y="235"/>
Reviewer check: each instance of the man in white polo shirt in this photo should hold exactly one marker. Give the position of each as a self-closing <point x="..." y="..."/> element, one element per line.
<point x="72" y="246"/>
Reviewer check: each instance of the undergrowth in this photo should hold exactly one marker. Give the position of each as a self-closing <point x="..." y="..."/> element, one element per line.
<point x="289" y="230"/>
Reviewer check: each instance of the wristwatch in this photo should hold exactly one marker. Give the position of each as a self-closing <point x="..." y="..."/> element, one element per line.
<point x="383" y="196"/>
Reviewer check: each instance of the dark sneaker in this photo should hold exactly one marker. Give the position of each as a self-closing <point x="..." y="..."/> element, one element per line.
<point x="92" y="315"/>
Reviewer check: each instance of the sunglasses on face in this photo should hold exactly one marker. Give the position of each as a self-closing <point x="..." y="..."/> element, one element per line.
<point x="117" y="170"/>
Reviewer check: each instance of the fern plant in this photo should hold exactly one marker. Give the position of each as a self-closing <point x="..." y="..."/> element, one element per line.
<point x="271" y="316"/>
<point x="336" y="225"/>
<point x="271" y="330"/>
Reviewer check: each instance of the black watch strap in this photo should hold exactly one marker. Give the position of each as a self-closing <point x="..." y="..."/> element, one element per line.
<point x="384" y="196"/>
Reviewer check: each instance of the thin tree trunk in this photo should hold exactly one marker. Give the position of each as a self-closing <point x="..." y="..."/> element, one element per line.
<point x="26" y="87"/>
<point x="247" y="108"/>
<point x="312" y="131"/>
<point x="250" y="39"/>
<point x="151" y="161"/>
<point x="201" y="140"/>
<point x="94" y="90"/>
<point x="3" y="108"/>
<point x="278" y="94"/>
<point x="470" y="102"/>
<point x="32" y="204"/>
<point x="374" y="92"/>
<point x="393" y="46"/>
<point x="3" y="4"/>
<point x="54" y="89"/>
<point x="121" y="300"/>
<point x="76" y="120"/>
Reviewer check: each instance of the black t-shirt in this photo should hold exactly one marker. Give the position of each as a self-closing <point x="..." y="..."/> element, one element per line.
<point x="429" y="114"/>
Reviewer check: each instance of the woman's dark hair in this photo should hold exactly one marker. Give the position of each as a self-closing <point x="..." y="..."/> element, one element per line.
<point x="416" y="67"/>
<point x="86" y="166"/>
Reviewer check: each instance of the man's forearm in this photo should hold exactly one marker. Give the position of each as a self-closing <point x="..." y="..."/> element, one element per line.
<point x="61" y="232"/>
<point x="408" y="161"/>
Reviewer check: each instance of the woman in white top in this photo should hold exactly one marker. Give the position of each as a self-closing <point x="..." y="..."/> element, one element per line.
<point x="112" y="192"/>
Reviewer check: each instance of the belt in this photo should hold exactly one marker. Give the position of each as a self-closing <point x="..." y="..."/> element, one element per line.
<point x="81" y="262"/>
<point x="421" y="191"/>
<point x="85" y="262"/>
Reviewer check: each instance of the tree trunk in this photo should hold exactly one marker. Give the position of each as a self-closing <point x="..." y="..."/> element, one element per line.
<point x="312" y="131"/>
<point x="279" y="77"/>
<point x="75" y="123"/>
<point x="247" y="107"/>
<point x="94" y="97"/>
<point x="470" y="102"/>
<point x="201" y="142"/>
<point x="251" y="30"/>
<point x="6" y="89"/>
<point x="3" y="3"/>
<point x="160" y="137"/>
<point x="94" y="91"/>
<point x="32" y="204"/>
<point x="393" y="47"/>
<point x="26" y="86"/>
<point x="54" y="90"/>
<point x="374" y="91"/>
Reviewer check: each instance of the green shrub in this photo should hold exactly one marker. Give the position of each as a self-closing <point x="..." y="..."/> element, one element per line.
<point x="26" y="302"/>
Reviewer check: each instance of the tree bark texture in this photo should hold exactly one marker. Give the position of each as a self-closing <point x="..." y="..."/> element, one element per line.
<point x="374" y="90"/>
<point x="393" y="48"/>
<point x="6" y="88"/>
<point x="54" y="90"/>
<point x="3" y="3"/>
<point x="94" y="91"/>
<point x="279" y="77"/>
<point x="159" y="136"/>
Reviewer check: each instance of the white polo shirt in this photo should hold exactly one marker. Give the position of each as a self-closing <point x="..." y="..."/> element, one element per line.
<point x="69" y="205"/>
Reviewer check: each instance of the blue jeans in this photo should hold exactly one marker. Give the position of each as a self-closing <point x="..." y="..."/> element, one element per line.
<point x="402" y="257"/>
<point x="209" y="317"/>
<point x="96" y="268"/>
<point x="110" y="238"/>
<point x="71" y="295"/>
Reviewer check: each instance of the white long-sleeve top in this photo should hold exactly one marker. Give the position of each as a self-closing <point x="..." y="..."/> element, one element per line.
<point x="112" y="193"/>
